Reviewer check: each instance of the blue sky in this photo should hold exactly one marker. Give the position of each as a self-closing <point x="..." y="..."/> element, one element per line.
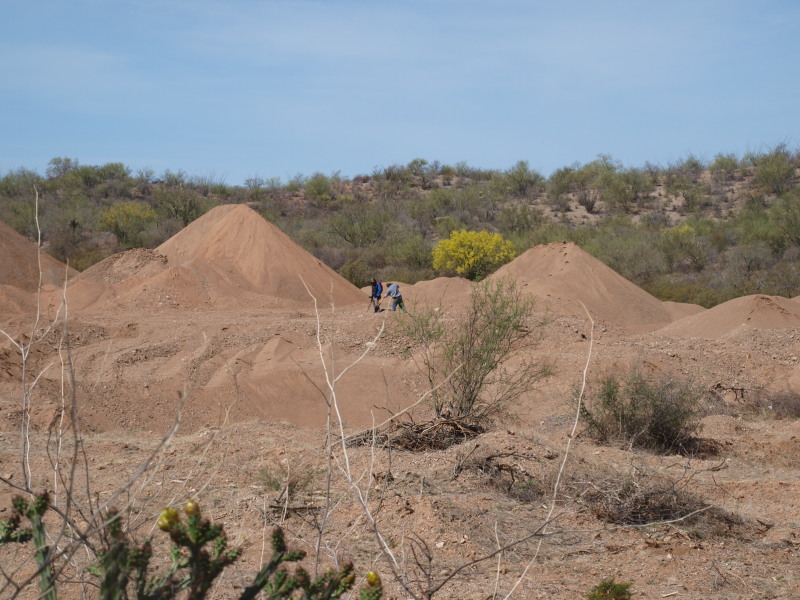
<point x="236" y="89"/>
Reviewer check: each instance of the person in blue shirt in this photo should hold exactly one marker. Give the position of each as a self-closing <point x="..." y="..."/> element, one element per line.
<point x="375" y="294"/>
<point x="393" y="290"/>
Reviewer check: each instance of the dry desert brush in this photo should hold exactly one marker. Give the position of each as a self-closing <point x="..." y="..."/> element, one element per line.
<point x="645" y="498"/>
<point x="645" y="411"/>
<point x="467" y="358"/>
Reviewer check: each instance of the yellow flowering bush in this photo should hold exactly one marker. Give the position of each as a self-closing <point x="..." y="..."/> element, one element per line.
<point x="472" y="254"/>
<point x="127" y="220"/>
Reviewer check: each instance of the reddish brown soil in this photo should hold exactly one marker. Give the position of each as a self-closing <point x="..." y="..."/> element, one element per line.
<point x="216" y="328"/>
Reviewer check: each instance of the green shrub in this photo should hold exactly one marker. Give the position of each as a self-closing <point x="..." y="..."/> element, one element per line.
<point x="19" y="185"/>
<point x="672" y="289"/>
<point x="472" y="353"/>
<point x="747" y="258"/>
<point x="658" y="413"/>
<point x="610" y="590"/>
<point x="630" y="252"/>
<point x="409" y="250"/>
<point x="683" y="173"/>
<point x="435" y="204"/>
<point x="625" y="190"/>
<point x="289" y="479"/>
<point x="357" y="272"/>
<point x="724" y="167"/>
<point x="560" y="183"/>
<point x="518" y="218"/>
<point x="522" y="181"/>
<point x="182" y="203"/>
<point x="774" y="171"/>
<point x="319" y="188"/>
<point x="696" y="198"/>
<point x="781" y="278"/>
<point x="423" y="171"/>
<point x="60" y="166"/>
<point x="784" y="216"/>
<point x="477" y="203"/>
<point x="445" y="225"/>
<point x="360" y="225"/>
<point x="684" y="244"/>
<point x="127" y="220"/>
<point x="549" y="232"/>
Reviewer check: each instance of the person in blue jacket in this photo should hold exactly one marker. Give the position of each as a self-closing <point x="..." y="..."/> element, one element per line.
<point x="375" y="294"/>
<point x="393" y="290"/>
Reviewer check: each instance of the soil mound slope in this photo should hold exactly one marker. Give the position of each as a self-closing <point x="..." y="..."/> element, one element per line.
<point x="443" y="291"/>
<point x="235" y="240"/>
<point x="565" y="275"/>
<point x="115" y="269"/>
<point x="758" y="311"/>
<point x="680" y="310"/>
<point x="16" y="300"/>
<point x="19" y="265"/>
<point x="230" y="258"/>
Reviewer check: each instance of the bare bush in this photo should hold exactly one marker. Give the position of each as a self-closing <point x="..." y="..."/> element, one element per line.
<point x="643" y="497"/>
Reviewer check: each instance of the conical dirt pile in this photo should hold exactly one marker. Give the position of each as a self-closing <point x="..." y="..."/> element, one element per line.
<point x="19" y="265"/>
<point x="233" y="250"/>
<point x="570" y="278"/>
<point x="758" y="311"/>
<point x="230" y="258"/>
<point x="19" y="272"/>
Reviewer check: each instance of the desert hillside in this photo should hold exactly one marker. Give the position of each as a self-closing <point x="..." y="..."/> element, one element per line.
<point x="692" y="231"/>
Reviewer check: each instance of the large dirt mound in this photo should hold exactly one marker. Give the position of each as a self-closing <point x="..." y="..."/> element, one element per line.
<point x="19" y="265"/>
<point x="260" y="257"/>
<point x="758" y="311"/>
<point x="231" y="258"/>
<point x="567" y="276"/>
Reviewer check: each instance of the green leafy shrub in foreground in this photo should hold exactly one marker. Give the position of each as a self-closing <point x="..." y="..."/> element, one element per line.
<point x="198" y="554"/>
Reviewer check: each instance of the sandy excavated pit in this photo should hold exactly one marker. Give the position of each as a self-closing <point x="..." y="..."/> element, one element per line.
<point x="217" y="326"/>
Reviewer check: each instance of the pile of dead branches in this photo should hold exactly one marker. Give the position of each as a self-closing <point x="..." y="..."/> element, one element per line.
<point x="437" y="434"/>
<point x="639" y="505"/>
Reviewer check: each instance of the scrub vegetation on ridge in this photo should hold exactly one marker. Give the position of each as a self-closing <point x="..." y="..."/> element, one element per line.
<point x="696" y="231"/>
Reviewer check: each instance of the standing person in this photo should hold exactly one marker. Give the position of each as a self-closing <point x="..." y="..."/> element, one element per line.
<point x="375" y="294"/>
<point x="393" y="290"/>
